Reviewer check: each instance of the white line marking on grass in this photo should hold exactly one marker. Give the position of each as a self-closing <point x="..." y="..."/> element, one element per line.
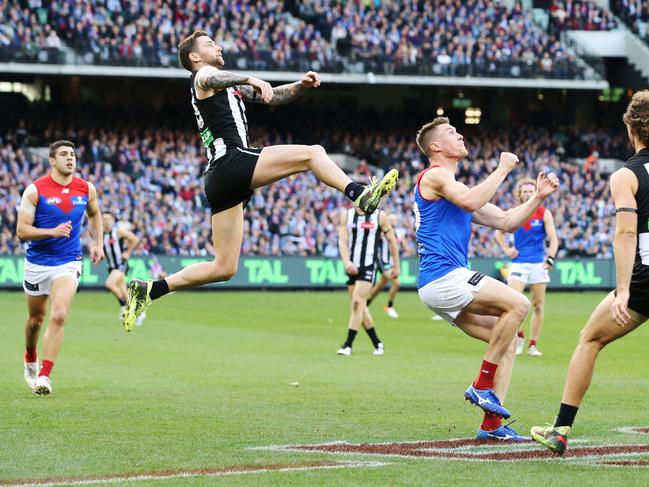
<point x="633" y="430"/>
<point x="216" y="472"/>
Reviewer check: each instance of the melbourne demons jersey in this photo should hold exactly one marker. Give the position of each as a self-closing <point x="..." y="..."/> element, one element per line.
<point x="113" y="249"/>
<point x="443" y="233"/>
<point x="58" y="204"/>
<point x="221" y="120"/>
<point x="362" y="231"/>
<point x="639" y="164"/>
<point x="529" y="240"/>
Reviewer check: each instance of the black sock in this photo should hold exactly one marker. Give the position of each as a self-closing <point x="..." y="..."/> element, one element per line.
<point x="351" y="334"/>
<point x="369" y="301"/>
<point x="390" y="304"/>
<point x="159" y="289"/>
<point x="566" y="415"/>
<point x="353" y="190"/>
<point x="122" y="302"/>
<point x="372" y="334"/>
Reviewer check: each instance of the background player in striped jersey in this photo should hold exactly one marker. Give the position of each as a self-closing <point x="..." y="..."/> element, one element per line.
<point x="115" y="235"/>
<point x="358" y="234"/>
<point x="49" y="218"/>
<point x="384" y="263"/>
<point x="627" y="307"/>
<point x="529" y="262"/>
<point x="236" y="170"/>
<point x="482" y="307"/>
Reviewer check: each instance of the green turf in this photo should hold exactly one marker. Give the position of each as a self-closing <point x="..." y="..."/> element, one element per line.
<point x="208" y="377"/>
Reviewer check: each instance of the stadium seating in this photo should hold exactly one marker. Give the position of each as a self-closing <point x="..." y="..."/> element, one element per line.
<point x="634" y="13"/>
<point x="450" y="37"/>
<point x="151" y="178"/>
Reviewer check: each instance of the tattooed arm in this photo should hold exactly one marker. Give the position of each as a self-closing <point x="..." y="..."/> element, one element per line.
<point x="210" y="79"/>
<point x="285" y="93"/>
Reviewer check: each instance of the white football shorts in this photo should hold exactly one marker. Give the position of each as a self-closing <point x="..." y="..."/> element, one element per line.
<point x="528" y="273"/>
<point x="38" y="279"/>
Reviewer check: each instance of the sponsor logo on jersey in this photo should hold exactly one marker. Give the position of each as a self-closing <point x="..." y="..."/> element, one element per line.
<point x="368" y="226"/>
<point x="78" y="200"/>
<point x="54" y="200"/>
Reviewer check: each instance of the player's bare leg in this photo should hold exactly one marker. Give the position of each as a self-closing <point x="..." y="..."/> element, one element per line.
<point x="360" y="315"/>
<point x="378" y="287"/>
<point x="519" y="286"/>
<point x="600" y="330"/>
<point x="280" y="161"/>
<point x="510" y="308"/>
<point x="480" y="327"/>
<point x="227" y="235"/>
<point x="61" y="296"/>
<point x="537" y="292"/>
<point x="36" y="307"/>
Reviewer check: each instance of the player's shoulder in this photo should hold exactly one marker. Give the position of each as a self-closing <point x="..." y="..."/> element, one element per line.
<point x="433" y="172"/>
<point x="43" y="182"/>
<point x="80" y="184"/>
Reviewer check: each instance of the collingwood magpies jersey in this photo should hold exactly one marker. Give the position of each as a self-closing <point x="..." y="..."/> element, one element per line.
<point x="221" y="120"/>
<point x="113" y="249"/>
<point x="363" y="233"/>
<point x="639" y="164"/>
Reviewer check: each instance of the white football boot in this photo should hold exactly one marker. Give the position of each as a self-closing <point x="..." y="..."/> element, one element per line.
<point x="31" y="373"/>
<point x="344" y="351"/>
<point x="520" y="344"/>
<point x="392" y="313"/>
<point x="533" y="351"/>
<point x="43" y="386"/>
<point x="379" y="350"/>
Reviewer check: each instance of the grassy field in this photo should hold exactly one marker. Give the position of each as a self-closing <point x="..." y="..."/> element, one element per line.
<point x="211" y="376"/>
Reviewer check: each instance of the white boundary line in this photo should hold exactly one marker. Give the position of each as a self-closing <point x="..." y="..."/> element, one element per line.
<point x="632" y="430"/>
<point x="190" y="473"/>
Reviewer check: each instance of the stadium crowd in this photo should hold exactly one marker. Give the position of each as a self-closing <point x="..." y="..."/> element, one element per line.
<point x="634" y="13"/>
<point x="152" y="180"/>
<point x="438" y="37"/>
<point x="580" y="15"/>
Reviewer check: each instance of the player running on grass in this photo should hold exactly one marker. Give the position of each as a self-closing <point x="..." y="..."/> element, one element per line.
<point x="235" y="170"/>
<point x="529" y="262"/>
<point x="482" y="307"/>
<point x="626" y="308"/>
<point x="49" y="218"/>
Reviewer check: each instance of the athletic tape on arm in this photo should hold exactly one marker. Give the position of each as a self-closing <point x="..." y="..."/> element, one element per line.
<point x="25" y="203"/>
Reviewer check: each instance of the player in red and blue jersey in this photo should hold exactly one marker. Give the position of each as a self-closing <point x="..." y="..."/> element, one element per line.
<point x="530" y="265"/>
<point x="480" y="306"/>
<point x="49" y="218"/>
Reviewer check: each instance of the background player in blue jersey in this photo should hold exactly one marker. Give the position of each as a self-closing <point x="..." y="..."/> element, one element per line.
<point x="482" y="307"/>
<point x="530" y="265"/>
<point x="49" y="218"/>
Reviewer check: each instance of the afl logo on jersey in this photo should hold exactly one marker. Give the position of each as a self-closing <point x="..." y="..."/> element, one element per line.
<point x="78" y="200"/>
<point x="54" y="200"/>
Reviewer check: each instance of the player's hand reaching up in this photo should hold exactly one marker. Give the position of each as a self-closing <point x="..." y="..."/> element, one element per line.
<point x="508" y="161"/>
<point x="546" y="184"/>
<point x="62" y="230"/>
<point x="96" y="254"/>
<point x="310" y="80"/>
<point x="262" y="88"/>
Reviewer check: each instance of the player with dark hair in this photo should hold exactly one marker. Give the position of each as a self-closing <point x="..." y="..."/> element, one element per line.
<point x="235" y="170"/>
<point x="357" y="237"/>
<point x="480" y="306"/>
<point x="530" y="265"/>
<point x="115" y="235"/>
<point x="49" y="218"/>
<point x="627" y="307"/>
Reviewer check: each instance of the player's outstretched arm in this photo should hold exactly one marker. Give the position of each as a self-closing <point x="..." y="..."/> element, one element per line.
<point x="25" y="229"/>
<point x="210" y="79"/>
<point x="285" y="93"/>
<point x="510" y="220"/>
<point x="96" y="226"/>
<point x="393" y="245"/>
<point x="624" y="185"/>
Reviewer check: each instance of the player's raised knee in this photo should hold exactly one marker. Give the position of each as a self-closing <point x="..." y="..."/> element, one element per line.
<point x="521" y="307"/>
<point x="317" y="151"/>
<point x="223" y="271"/>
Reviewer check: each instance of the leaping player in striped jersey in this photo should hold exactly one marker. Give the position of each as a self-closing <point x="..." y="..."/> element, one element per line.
<point x="235" y="170"/>
<point x="482" y="307"/>
<point x="49" y="218"/>
<point x="358" y="234"/>
<point x="115" y="235"/>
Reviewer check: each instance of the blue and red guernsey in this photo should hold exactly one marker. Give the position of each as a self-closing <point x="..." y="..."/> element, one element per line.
<point x="58" y="204"/>
<point x="529" y="240"/>
<point x="443" y="233"/>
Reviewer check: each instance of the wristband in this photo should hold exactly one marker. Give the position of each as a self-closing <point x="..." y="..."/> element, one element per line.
<point x="550" y="261"/>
